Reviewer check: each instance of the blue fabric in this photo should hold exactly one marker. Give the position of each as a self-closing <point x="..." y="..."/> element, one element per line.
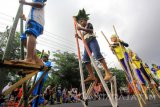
<point x="23" y="36"/>
<point x="125" y="67"/>
<point x="42" y="1"/>
<point x="152" y="69"/>
<point x="140" y="76"/>
<point x="33" y="28"/>
<point x="126" y="56"/>
<point x="94" y="48"/>
<point x="145" y="73"/>
<point x="32" y="11"/>
<point x="40" y="86"/>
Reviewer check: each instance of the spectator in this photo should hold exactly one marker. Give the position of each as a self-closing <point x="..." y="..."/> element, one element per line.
<point x="58" y="94"/>
<point x="7" y="87"/>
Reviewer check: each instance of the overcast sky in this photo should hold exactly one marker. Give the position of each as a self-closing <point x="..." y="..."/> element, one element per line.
<point x="137" y="23"/>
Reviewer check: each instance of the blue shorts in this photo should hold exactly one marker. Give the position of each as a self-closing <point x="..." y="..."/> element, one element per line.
<point x="140" y="76"/>
<point x="33" y="28"/>
<point x="94" y="48"/>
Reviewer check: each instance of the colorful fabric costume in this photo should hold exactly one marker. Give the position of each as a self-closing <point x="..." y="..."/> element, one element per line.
<point x="38" y="89"/>
<point x="121" y="53"/>
<point x="139" y="68"/>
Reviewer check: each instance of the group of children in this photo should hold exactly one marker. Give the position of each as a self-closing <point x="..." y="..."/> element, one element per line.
<point x="135" y="69"/>
<point x="132" y="64"/>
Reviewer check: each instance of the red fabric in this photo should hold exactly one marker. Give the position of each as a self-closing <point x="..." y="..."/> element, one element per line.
<point x="130" y="89"/>
<point x="20" y="93"/>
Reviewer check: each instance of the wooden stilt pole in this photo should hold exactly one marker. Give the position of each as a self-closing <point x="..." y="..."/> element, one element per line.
<point x="80" y="67"/>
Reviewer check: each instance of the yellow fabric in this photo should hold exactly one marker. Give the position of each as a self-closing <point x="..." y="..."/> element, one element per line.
<point x="136" y="62"/>
<point x="148" y="70"/>
<point x="118" y="52"/>
<point x="158" y="73"/>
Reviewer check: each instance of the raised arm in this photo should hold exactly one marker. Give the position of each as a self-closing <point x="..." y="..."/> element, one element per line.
<point x="33" y="4"/>
<point x="89" y="28"/>
<point x="124" y="43"/>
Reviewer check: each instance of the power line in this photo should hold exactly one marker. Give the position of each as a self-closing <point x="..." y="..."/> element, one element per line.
<point x="59" y="46"/>
<point x="6" y="15"/>
<point x="49" y="39"/>
<point x="5" y="19"/>
<point x="52" y="47"/>
<point x="56" y="35"/>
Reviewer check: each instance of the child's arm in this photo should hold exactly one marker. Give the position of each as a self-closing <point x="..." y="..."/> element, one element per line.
<point x="23" y="17"/>
<point x="76" y="35"/>
<point x="33" y="4"/>
<point x="89" y="28"/>
<point x="124" y="44"/>
<point x="84" y="29"/>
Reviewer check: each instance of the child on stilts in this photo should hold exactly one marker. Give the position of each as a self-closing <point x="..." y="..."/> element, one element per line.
<point x="87" y="31"/>
<point x="137" y="66"/>
<point x="121" y="53"/>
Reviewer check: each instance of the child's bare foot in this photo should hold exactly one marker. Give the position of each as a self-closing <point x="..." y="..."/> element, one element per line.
<point x="108" y="77"/>
<point x="90" y="78"/>
<point x="39" y="61"/>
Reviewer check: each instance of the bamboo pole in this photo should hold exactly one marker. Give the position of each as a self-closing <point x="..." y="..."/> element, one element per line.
<point x="20" y="82"/>
<point x="80" y="63"/>
<point x="12" y="33"/>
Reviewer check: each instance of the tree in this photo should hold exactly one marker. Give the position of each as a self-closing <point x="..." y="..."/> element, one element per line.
<point x="66" y="70"/>
<point x="120" y="76"/>
<point x="9" y="74"/>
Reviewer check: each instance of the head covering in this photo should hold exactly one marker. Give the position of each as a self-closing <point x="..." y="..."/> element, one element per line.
<point x="114" y="36"/>
<point x="154" y="65"/>
<point x="129" y="50"/>
<point x="45" y="56"/>
<point x="82" y="15"/>
<point x="146" y="65"/>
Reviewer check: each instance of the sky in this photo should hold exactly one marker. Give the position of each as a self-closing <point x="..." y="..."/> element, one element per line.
<point x="137" y="23"/>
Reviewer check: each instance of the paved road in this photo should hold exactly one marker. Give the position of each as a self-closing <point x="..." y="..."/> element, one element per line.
<point x="106" y="103"/>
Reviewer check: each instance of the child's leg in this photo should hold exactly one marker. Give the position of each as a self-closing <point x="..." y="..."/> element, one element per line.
<point x="90" y="70"/>
<point x="37" y="59"/>
<point x="125" y="67"/>
<point x="94" y="47"/>
<point x="91" y="76"/>
<point x="31" y="43"/>
<point x="108" y="74"/>
<point x="145" y="73"/>
<point x="140" y="76"/>
<point x="87" y="63"/>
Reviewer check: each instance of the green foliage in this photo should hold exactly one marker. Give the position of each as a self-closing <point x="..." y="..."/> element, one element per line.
<point x="9" y="74"/>
<point x="14" y="48"/>
<point x="121" y="80"/>
<point x="66" y="70"/>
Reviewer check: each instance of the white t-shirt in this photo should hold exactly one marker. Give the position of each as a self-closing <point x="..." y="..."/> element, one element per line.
<point x="37" y="14"/>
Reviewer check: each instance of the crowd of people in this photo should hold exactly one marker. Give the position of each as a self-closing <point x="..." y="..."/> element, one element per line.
<point x="55" y="95"/>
